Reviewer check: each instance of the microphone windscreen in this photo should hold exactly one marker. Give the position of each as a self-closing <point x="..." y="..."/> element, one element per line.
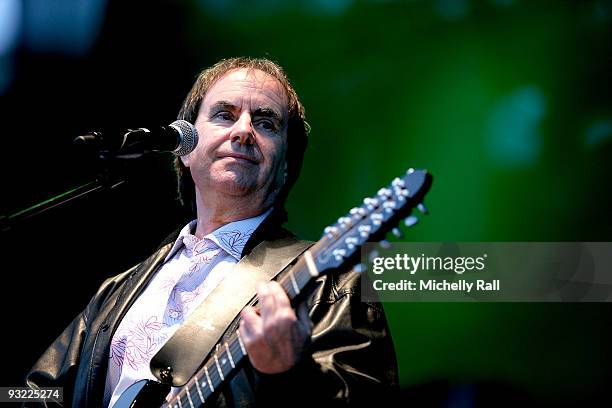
<point x="188" y="135"/>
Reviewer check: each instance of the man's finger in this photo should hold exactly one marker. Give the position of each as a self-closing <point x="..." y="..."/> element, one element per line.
<point x="280" y="297"/>
<point x="267" y="303"/>
<point x="284" y="315"/>
<point x="251" y="325"/>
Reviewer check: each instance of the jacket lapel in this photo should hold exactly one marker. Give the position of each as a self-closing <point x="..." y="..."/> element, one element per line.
<point x="108" y="319"/>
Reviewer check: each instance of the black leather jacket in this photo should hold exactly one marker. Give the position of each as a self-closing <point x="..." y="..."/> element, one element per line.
<point x="350" y="361"/>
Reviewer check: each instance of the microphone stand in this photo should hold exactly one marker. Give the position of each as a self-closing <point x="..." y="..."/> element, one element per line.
<point x="7" y="223"/>
<point x="104" y="182"/>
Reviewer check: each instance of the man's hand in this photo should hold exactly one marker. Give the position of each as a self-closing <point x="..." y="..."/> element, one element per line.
<point x="274" y="337"/>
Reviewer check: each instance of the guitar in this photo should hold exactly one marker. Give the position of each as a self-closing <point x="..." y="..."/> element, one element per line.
<point x="337" y="247"/>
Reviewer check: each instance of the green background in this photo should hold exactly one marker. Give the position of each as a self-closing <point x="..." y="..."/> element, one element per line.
<point x="507" y="104"/>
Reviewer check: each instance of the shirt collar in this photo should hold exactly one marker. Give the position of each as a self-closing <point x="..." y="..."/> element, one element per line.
<point x="231" y="237"/>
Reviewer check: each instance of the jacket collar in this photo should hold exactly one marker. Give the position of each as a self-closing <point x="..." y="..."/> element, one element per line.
<point x="231" y="237"/>
<point x="270" y="229"/>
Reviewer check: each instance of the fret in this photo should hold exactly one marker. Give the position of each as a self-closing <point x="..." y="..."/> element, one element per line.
<point x="208" y="377"/>
<point x="287" y="287"/>
<point x="223" y="359"/>
<point x="302" y="276"/>
<point x="237" y="355"/>
<point x="229" y="355"/>
<point x="189" y="398"/>
<point x="214" y="373"/>
<point x="219" y="367"/>
<point x="205" y="387"/>
<point x="310" y="263"/>
<point x="235" y="347"/>
<point x="195" y="378"/>
<point x="244" y="353"/>
<point x="296" y="289"/>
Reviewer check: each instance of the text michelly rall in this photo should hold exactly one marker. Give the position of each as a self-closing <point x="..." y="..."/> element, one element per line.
<point x="436" y="285"/>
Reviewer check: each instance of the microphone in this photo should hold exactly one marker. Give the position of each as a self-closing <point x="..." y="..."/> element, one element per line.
<point x="180" y="138"/>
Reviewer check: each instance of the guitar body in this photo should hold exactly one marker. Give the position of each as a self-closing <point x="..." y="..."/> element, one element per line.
<point x="143" y="394"/>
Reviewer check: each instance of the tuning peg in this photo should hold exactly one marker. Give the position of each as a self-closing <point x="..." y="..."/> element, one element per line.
<point x="376" y="218"/>
<point x="330" y="232"/>
<point x="344" y="222"/>
<point x="398" y="182"/>
<point x="339" y="254"/>
<point x="351" y="242"/>
<point x="358" y="212"/>
<point x="360" y="268"/>
<point x="389" y="205"/>
<point x="364" y="230"/>
<point x="370" y="203"/>
<point x="385" y="244"/>
<point x="422" y="208"/>
<point x="411" y="220"/>
<point x="384" y="193"/>
<point x="397" y="232"/>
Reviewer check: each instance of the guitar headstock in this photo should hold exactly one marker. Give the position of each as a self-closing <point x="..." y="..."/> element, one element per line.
<point x="374" y="218"/>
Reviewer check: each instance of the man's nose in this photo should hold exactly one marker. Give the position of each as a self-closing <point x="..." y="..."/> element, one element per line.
<point x="242" y="132"/>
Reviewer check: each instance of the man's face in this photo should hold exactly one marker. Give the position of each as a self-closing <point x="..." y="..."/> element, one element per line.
<point x="242" y="124"/>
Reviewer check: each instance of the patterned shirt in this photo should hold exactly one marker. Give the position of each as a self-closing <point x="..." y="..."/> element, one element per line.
<point x="192" y="269"/>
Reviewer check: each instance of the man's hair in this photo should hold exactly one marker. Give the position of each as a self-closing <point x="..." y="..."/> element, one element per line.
<point x="297" y="127"/>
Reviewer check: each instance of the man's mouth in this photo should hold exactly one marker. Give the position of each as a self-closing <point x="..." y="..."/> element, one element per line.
<point x="238" y="157"/>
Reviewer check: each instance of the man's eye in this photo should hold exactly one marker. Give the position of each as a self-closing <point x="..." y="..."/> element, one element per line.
<point x="224" y="115"/>
<point x="267" y="124"/>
